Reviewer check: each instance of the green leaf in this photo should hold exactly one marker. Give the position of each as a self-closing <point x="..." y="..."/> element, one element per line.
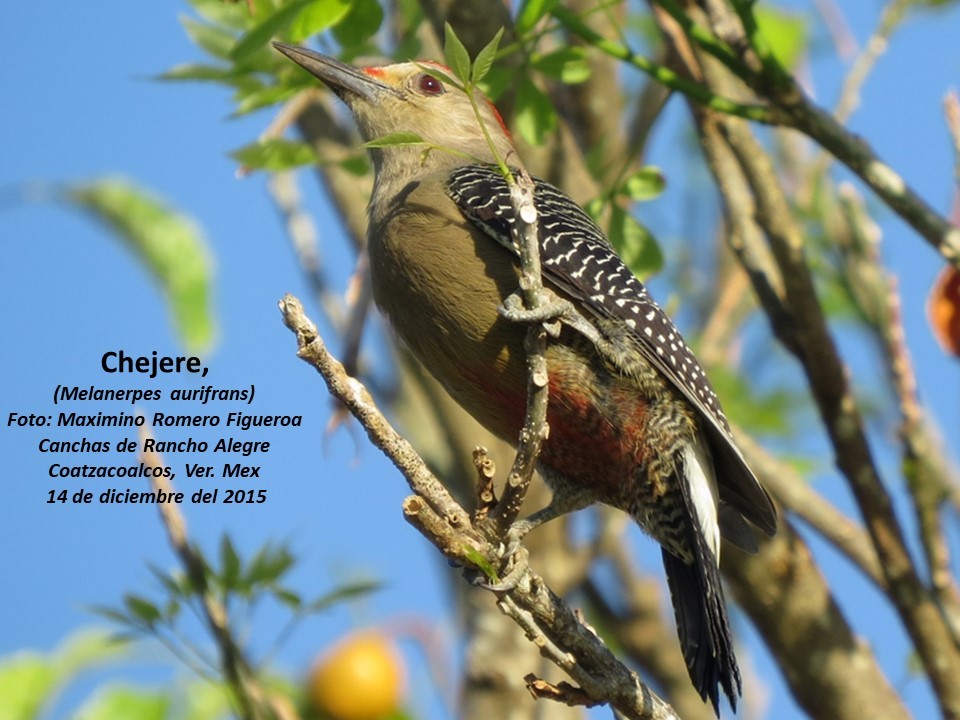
<point x="497" y="80"/>
<point x="785" y="32"/>
<point x="214" y="40"/>
<point x="205" y="701"/>
<point x="359" y="24"/>
<point x="357" y="165"/>
<point x="124" y="703"/>
<point x="634" y="243"/>
<point x="167" y="581"/>
<point x="482" y="564"/>
<point x="410" y="46"/>
<point x="644" y="184"/>
<point x="171" y="610"/>
<point x="317" y="16"/>
<point x="595" y="209"/>
<point x="275" y="154"/>
<point x="261" y="8"/>
<point x="535" y="116"/>
<point x="142" y="609"/>
<point x="261" y="33"/>
<point x="455" y="54"/>
<point x="569" y="65"/>
<point x="289" y="598"/>
<point x="262" y="97"/>
<point x="27" y="683"/>
<point x="218" y="12"/>
<point x="201" y="72"/>
<point x="401" y="137"/>
<point x="767" y="413"/>
<point x="530" y="13"/>
<point x="29" y="680"/>
<point x="268" y="565"/>
<point x="168" y="243"/>
<point x="230" y="565"/>
<point x="111" y="614"/>
<point x="343" y="593"/>
<point x="441" y="73"/>
<point x="84" y="650"/>
<point x="484" y="60"/>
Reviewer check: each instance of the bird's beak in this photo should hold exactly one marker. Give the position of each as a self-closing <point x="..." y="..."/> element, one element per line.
<point x="345" y="80"/>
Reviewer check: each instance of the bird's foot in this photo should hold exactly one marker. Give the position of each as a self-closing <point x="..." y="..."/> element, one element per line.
<point x="551" y="314"/>
<point x="554" y="315"/>
<point x="513" y="559"/>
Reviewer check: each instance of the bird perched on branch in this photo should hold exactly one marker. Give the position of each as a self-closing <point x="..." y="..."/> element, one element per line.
<point x="634" y="422"/>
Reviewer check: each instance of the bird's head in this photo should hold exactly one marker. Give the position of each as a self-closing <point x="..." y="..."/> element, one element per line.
<point x="410" y="97"/>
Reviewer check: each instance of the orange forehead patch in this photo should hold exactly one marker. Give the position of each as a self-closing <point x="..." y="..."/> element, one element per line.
<point x="377" y="72"/>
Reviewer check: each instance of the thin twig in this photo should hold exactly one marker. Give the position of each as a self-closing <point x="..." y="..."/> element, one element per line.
<point x="358" y="299"/>
<point x="302" y="232"/>
<point x="235" y="667"/>
<point x="849" y="98"/>
<point x="290" y="113"/>
<point x="951" y="111"/>
<point x="890" y="18"/>
<point x="535" y="428"/>
<point x="926" y="469"/>
<point x="668" y="77"/>
<point x="843" y="39"/>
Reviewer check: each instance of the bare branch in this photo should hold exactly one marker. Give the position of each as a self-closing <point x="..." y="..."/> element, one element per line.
<point x="535" y="428"/>
<point x="434" y="512"/>
<point x="302" y="232"/>
<point x="796" y="495"/>
<point x="849" y="99"/>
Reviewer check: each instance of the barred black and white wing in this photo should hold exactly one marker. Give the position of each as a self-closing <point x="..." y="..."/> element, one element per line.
<point x="577" y="258"/>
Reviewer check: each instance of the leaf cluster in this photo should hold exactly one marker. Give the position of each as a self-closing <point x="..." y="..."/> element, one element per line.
<point x="240" y="585"/>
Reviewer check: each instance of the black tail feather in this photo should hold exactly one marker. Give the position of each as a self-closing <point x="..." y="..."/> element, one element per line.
<point x="704" y="629"/>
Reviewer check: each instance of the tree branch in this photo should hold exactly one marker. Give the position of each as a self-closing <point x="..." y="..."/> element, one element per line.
<point x="807" y="336"/>
<point x="435" y="513"/>
<point x="774" y="84"/>
<point x="535" y="428"/>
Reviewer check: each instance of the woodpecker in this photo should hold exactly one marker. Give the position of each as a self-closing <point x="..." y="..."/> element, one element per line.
<point x="634" y="422"/>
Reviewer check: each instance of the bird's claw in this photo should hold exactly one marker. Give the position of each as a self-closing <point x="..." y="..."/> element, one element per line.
<point x="551" y="314"/>
<point x="513" y="557"/>
<point x="518" y="564"/>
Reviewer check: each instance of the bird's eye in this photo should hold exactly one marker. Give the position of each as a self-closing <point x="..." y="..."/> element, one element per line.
<point x="429" y="85"/>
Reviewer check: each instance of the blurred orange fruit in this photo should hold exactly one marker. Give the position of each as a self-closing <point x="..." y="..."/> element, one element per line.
<point x="943" y="309"/>
<point x="360" y="678"/>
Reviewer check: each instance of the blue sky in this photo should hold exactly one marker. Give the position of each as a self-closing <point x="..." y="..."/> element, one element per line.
<point x="81" y="105"/>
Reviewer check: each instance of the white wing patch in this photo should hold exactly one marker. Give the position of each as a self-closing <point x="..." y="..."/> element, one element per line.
<point x="702" y="484"/>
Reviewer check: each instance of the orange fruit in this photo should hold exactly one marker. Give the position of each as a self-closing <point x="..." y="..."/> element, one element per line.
<point x="360" y="678"/>
<point x="943" y="309"/>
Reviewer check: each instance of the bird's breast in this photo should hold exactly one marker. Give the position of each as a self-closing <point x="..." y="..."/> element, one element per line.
<point x="439" y="280"/>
